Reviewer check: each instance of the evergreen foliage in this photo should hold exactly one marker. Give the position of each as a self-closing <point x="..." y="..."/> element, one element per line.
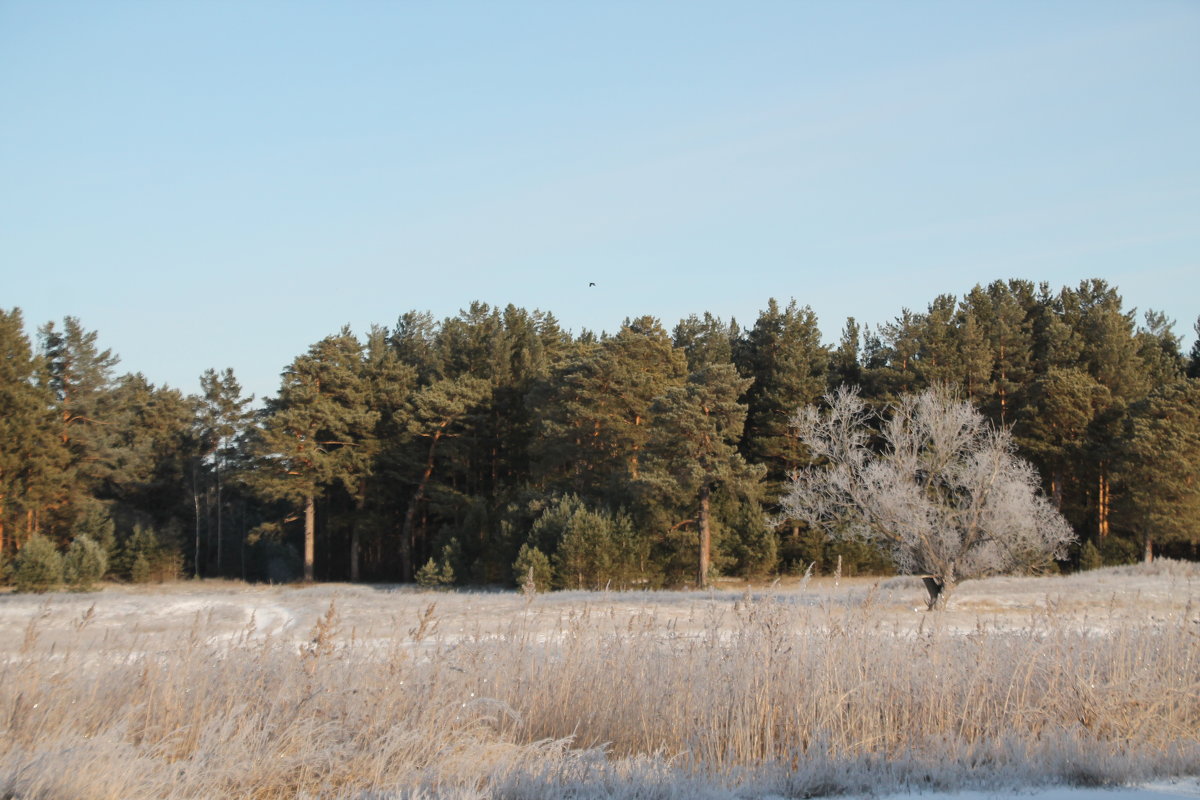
<point x="147" y="555"/>
<point x="38" y="567"/>
<point x="1090" y="557"/>
<point x="85" y="563"/>
<point x="1159" y="471"/>
<point x="634" y="458"/>
<point x="531" y="570"/>
<point x="1193" y="365"/>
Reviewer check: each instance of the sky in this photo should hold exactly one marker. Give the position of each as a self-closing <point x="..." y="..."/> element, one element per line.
<point x="221" y="184"/>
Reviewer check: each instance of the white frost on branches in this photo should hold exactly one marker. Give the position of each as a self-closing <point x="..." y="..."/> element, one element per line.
<point x="938" y="486"/>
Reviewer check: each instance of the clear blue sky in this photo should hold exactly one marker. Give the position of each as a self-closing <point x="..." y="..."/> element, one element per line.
<point x="215" y="184"/>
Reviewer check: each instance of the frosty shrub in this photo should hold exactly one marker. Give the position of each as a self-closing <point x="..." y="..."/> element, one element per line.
<point x="944" y="491"/>
<point x="85" y="563"/>
<point x="38" y="567"/>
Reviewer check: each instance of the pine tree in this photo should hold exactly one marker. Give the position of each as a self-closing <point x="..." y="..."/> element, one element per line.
<point x="1193" y="368"/>
<point x="694" y="449"/>
<point x="788" y="365"/>
<point x="1158" y="348"/>
<point x="222" y="415"/>
<point x="390" y="384"/>
<point x="1109" y="350"/>
<point x="937" y="353"/>
<point x="311" y="437"/>
<point x="1002" y="311"/>
<point x="414" y="342"/>
<point x="150" y="442"/>
<point x="31" y="456"/>
<point x="845" y="364"/>
<point x="597" y="420"/>
<point x="1159" y="469"/>
<point x="893" y="357"/>
<point x="1054" y="426"/>
<point x="438" y="410"/>
<point x="79" y="376"/>
<point x="705" y="340"/>
<point x="974" y="357"/>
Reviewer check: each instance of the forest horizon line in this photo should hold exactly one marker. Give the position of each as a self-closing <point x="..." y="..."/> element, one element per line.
<point x="449" y="450"/>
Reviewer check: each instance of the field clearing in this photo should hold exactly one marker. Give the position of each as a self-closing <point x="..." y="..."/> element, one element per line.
<point x="802" y="689"/>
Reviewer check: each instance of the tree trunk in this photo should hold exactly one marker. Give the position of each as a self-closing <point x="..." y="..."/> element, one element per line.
<point x="406" y="546"/>
<point x="1148" y="552"/>
<point x="939" y="591"/>
<point x="406" y="535"/>
<point x="360" y="502"/>
<point x="705" y="538"/>
<point x="1102" y="503"/>
<point x="242" y="528"/>
<point x="220" y="560"/>
<point x="196" y="502"/>
<point x="310" y="537"/>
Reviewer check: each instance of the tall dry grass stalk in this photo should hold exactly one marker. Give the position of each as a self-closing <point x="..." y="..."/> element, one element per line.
<point x="763" y="697"/>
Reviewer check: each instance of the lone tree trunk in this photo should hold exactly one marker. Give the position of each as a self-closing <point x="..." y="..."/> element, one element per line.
<point x="1148" y="552"/>
<point x="939" y="591"/>
<point x="934" y="587"/>
<point x="310" y="537"/>
<point x="705" y="538"/>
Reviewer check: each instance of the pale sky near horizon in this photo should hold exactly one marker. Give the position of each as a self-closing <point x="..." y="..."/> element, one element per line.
<point x="213" y="184"/>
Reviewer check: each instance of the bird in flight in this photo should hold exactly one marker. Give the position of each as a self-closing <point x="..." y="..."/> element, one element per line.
<point x="592" y="283"/>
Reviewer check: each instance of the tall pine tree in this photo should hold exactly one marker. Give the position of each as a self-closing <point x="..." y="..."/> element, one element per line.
<point x="312" y="436"/>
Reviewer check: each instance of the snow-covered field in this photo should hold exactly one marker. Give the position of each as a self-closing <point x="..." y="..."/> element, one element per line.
<point x="221" y="689"/>
<point x="1099" y="601"/>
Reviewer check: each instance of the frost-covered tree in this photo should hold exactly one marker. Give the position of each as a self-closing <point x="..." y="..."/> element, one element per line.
<point x="937" y="485"/>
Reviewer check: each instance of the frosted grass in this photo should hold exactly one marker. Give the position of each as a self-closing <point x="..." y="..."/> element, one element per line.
<point x="352" y="692"/>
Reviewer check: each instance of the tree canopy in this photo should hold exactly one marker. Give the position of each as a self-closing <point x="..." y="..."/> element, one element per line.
<point x="465" y="442"/>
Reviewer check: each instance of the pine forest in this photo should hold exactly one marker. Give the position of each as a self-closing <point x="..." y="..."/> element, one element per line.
<point x="496" y="448"/>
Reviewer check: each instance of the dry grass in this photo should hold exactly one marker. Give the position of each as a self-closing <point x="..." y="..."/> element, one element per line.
<point x="738" y="696"/>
